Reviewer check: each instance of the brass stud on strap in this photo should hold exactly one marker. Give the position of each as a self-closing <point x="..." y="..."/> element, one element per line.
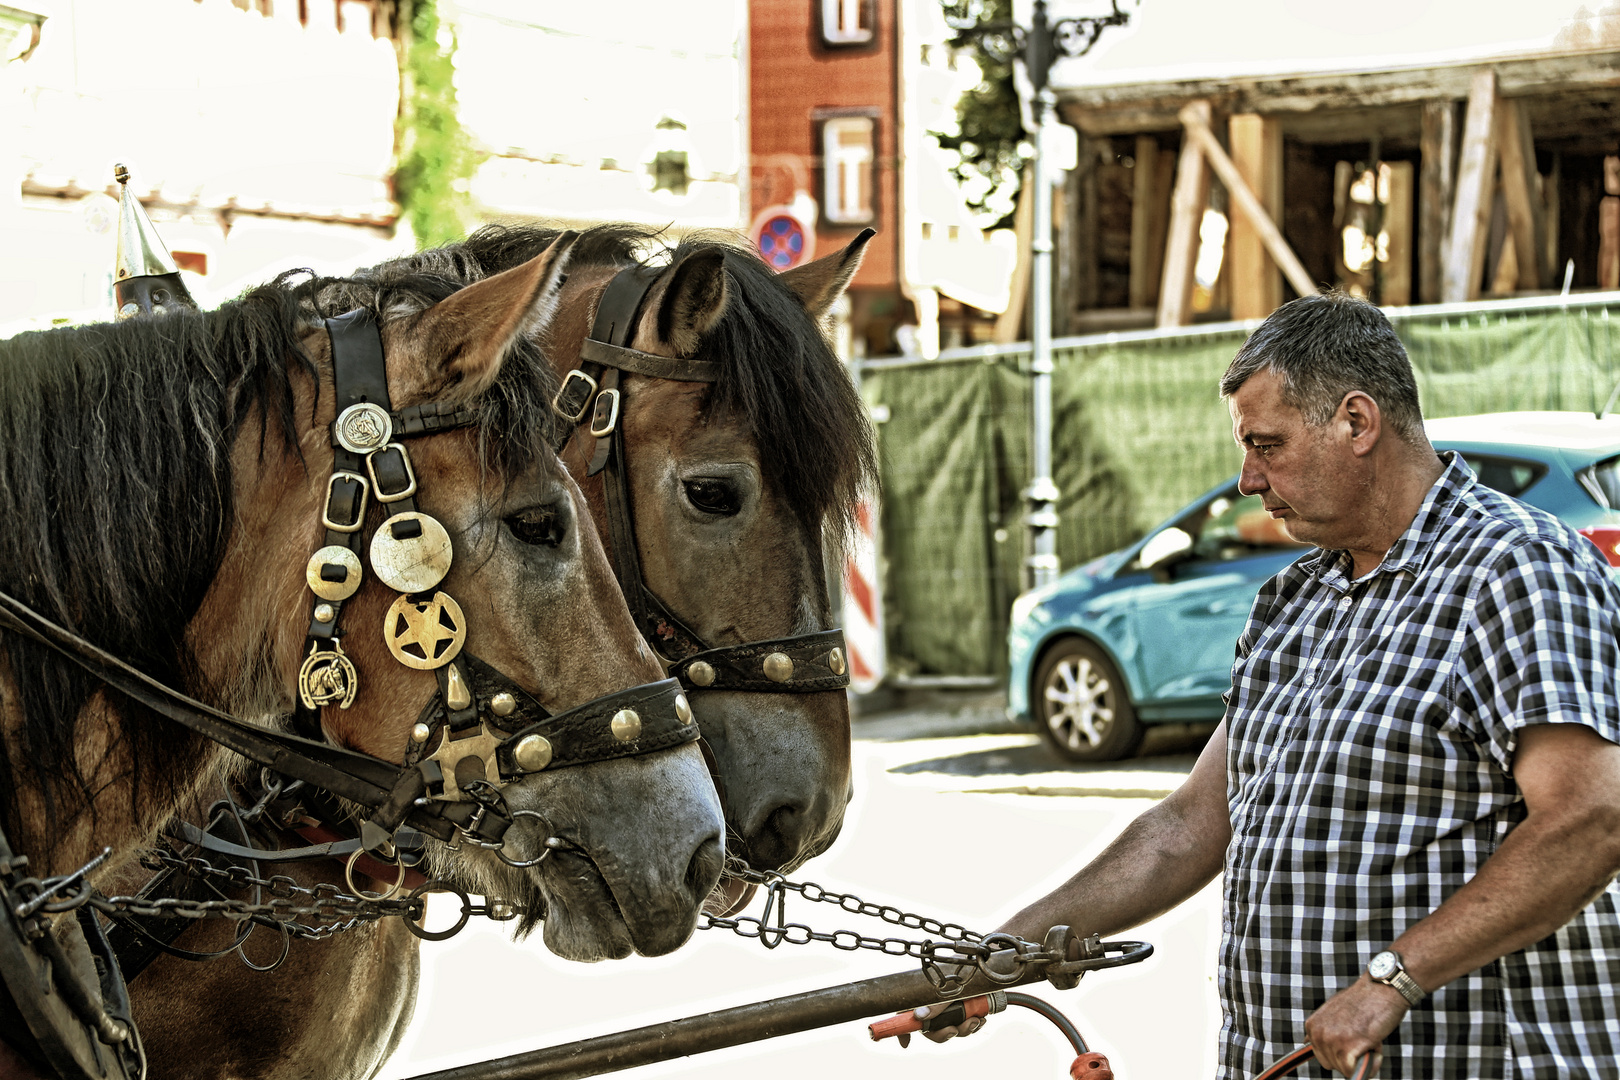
<point x="532" y="753"/>
<point x="420" y="733"/>
<point x="325" y="613"/>
<point x="778" y="667"/>
<point x="502" y="704"/>
<point x="835" y="661"/>
<point x="701" y="673"/>
<point x="683" y="709"/>
<point x="626" y="725"/>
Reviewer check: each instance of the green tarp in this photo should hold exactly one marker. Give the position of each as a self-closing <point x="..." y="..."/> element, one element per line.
<point x="1139" y="430"/>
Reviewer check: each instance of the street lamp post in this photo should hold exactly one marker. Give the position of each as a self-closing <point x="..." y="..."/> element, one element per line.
<point x="1039" y="46"/>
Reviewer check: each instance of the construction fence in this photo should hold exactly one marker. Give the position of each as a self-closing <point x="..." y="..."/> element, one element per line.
<point x="1139" y="430"/>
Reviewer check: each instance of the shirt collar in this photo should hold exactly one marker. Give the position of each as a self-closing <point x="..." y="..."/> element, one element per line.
<point x="1414" y="546"/>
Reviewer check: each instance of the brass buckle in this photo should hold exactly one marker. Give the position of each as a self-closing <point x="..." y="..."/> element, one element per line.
<point x="599" y="427"/>
<point x="360" y="515"/>
<point x="376" y="485"/>
<point x="584" y="405"/>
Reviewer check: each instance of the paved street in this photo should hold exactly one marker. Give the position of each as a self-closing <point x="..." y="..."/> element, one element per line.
<point x="957" y="815"/>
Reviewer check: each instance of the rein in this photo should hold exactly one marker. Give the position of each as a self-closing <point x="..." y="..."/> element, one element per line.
<point x="591" y="396"/>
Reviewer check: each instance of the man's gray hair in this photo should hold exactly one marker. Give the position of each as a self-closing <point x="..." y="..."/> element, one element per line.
<point x="1324" y="346"/>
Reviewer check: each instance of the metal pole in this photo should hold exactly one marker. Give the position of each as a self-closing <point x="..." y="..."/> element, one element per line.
<point x="730" y="1027"/>
<point x="1042" y="493"/>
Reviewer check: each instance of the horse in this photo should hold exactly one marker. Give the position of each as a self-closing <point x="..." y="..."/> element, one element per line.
<point x="164" y="482"/>
<point x="781" y="433"/>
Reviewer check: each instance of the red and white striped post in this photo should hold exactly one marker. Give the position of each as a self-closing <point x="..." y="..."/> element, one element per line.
<point x="863" y="602"/>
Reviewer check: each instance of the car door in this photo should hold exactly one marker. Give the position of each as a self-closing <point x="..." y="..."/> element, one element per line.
<point x="1186" y="621"/>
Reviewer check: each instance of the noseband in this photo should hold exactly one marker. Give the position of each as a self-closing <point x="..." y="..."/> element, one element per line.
<point x="802" y="664"/>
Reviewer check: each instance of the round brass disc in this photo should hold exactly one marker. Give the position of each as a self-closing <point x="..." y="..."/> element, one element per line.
<point x="335" y="555"/>
<point x="778" y="667"/>
<point x="425" y="634"/>
<point x="415" y="564"/>
<point x="702" y="672"/>
<point x="626" y="725"/>
<point x="835" y="661"/>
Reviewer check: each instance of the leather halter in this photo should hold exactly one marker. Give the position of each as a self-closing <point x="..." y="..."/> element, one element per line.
<point x="803" y="663"/>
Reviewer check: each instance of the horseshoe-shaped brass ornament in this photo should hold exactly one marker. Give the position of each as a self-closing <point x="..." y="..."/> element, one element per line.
<point x="411" y="552"/>
<point x="425" y="634"/>
<point x="327" y="677"/>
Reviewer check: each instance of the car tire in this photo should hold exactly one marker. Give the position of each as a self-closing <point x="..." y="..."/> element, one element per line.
<point x="1081" y="705"/>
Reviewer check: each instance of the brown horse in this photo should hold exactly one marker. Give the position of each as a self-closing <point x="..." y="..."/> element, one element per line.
<point x="733" y="483"/>
<point x="164" y="482"/>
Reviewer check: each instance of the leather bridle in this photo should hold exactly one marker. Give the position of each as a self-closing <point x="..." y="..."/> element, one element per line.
<point x="591" y="396"/>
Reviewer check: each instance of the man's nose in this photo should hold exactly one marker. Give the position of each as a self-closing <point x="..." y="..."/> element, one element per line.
<point x="1251" y="481"/>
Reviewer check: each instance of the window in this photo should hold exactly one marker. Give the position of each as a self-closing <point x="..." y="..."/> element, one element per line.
<point x="847" y="151"/>
<point x="846" y="22"/>
<point x="1512" y="476"/>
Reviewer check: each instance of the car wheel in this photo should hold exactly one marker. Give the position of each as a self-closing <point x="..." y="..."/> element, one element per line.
<point x="1081" y="704"/>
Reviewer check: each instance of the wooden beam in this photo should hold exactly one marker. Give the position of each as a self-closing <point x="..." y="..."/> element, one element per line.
<point x="1187" y="206"/>
<point x="1257" y="287"/>
<point x="1144" y="209"/>
<point x="1196" y="124"/>
<point x="1526" y="221"/>
<point x="1395" y="285"/>
<point x="1476" y="185"/>
<point x="1436" y="182"/>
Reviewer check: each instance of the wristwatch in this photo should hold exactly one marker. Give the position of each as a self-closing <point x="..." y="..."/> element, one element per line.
<point x="1388" y="968"/>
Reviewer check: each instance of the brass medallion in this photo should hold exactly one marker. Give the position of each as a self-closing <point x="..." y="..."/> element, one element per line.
<point x="327" y="676"/>
<point x="333" y="573"/>
<point x="362" y="428"/>
<point x="411" y="552"/>
<point x="425" y="634"/>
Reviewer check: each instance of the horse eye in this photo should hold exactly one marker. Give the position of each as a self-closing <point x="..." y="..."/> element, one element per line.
<point x="713" y="496"/>
<point x="538" y="525"/>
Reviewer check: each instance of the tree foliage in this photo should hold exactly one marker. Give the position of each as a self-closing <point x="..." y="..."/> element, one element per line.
<point x="990" y="135"/>
<point x="434" y="155"/>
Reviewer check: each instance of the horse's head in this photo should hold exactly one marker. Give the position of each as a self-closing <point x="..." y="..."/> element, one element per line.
<point x="735" y="485"/>
<point x="636" y="839"/>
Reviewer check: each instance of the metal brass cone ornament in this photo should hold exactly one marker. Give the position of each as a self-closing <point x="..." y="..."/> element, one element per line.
<point x="327" y="677"/>
<point x="326" y="583"/>
<point x="457" y="694"/>
<point x="835" y="661"/>
<point x="532" y="753"/>
<point x="778" y="667"/>
<point x="425" y="634"/>
<point x="683" y="709"/>
<point x="416" y="560"/>
<point x="146" y="279"/>
<point x="503" y="704"/>
<point x="701" y="673"/>
<point x="626" y="725"/>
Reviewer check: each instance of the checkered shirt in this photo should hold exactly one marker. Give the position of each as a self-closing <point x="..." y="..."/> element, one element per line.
<point x="1371" y="727"/>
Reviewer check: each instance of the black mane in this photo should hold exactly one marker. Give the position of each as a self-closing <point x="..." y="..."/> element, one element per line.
<point x="116" y="489"/>
<point x="780" y="377"/>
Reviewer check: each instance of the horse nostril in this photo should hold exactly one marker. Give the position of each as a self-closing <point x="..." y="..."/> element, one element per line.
<point x="703" y="872"/>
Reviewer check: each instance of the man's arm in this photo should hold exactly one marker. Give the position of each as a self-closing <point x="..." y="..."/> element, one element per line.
<point x="1554" y="863"/>
<point x="1162" y="858"/>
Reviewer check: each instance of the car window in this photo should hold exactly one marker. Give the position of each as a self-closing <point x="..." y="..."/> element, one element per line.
<point x="1236" y="526"/>
<point x="1602" y="482"/>
<point x="1512" y="476"/>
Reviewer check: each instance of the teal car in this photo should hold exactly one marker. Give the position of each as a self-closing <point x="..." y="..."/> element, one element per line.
<point x="1145" y="635"/>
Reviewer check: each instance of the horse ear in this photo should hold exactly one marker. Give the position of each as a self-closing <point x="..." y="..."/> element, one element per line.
<point x="464" y="338"/>
<point x="821" y="282"/>
<point x="694" y="301"/>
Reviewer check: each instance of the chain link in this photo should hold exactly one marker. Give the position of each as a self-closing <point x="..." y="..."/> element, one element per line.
<point x="959" y="948"/>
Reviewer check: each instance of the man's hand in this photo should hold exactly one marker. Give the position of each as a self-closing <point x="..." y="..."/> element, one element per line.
<point x="944" y="1034"/>
<point x="1353" y="1023"/>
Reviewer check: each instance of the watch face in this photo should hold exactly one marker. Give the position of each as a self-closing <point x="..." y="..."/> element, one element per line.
<point x="1382" y="966"/>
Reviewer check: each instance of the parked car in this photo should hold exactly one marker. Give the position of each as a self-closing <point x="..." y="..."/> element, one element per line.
<point x="1146" y="635"/>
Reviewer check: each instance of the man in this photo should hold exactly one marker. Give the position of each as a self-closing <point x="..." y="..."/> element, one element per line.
<point x="1415" y="793"/>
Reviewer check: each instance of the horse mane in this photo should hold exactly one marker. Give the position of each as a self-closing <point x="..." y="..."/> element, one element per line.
<point x="779" y="374"/>
<point x="116" y="489"/>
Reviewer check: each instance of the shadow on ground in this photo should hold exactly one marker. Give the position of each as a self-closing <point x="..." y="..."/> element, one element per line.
<point x="1172" y="748"/>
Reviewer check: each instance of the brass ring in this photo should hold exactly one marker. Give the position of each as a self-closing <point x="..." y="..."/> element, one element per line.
<point x="348" y="875"/>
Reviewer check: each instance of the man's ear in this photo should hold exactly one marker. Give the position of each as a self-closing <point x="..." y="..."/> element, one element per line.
<point x="1365" y="420"/>
<point x="457" y="345"/>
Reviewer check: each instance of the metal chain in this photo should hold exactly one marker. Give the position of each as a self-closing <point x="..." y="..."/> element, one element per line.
<point x="960" y="948"/>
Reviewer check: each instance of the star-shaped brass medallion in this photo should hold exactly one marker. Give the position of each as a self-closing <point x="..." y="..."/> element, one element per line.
<point x="425" y="634"/>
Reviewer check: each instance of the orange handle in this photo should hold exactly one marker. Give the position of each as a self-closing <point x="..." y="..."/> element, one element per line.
<point x="1091" y="1066"/>
<point x="907" y="1022"/>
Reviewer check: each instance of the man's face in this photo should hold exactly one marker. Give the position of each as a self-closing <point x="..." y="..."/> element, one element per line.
<point x="1306" y="476"/>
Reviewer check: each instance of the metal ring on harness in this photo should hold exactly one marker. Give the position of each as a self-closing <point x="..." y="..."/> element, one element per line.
<point x="348" y="875"/>
<point x="439" y="885"/>
<point x="550" y="845"/>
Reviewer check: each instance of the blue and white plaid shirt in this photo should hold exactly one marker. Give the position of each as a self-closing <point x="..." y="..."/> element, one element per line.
<point x="1371" y="727"/>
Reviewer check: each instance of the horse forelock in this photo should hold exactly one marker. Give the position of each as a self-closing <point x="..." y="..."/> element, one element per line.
<point x="780" y="378"/>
